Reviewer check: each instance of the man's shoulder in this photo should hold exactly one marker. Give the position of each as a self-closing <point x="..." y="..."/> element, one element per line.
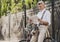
<point x="48" y="12"/>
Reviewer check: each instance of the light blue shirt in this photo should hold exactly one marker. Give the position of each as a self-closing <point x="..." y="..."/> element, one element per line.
<point x="46" y="17"/>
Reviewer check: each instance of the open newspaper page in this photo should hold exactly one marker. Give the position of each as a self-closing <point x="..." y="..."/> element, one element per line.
<point x="34" y="19"/>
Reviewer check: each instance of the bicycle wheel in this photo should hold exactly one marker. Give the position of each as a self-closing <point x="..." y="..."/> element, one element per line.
<point x="48" y="39"/>
<point x="23" y="41"/>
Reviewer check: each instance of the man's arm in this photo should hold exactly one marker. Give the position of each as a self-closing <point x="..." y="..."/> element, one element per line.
<point x="47" y="19"/>
<point x="43" y="22"/>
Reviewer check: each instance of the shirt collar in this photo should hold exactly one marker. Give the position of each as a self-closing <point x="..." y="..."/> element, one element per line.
<point x="43" y="10"/>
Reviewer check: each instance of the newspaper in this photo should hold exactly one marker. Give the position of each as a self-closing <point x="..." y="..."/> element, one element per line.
<point x="34" y="19"/>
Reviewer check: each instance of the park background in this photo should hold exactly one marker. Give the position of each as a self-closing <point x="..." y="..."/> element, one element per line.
<point x="16" y="7"/>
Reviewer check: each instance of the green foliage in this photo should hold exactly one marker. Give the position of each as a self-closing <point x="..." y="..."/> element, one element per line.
<point x="3" y="7"/>
<point x="0" y="9"/>
<point x="30" y="3"/>
<point x="15" y="5"/>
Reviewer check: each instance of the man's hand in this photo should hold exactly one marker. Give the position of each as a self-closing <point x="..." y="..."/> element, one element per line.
<point x="39" y="19"/>
<point x="30" y="21"/>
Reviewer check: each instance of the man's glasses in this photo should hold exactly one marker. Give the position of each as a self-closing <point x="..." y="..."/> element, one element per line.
<point x="39" y="3"/>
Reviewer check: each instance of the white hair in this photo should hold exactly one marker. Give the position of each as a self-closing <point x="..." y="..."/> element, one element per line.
<point x="42" y="3"/>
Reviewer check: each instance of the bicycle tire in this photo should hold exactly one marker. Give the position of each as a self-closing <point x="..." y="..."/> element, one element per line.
<point x="23" y="41"/>
<point x="48" y="39"/>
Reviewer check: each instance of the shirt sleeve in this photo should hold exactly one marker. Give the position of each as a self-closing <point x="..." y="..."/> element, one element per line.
<point x="48" y="17"/>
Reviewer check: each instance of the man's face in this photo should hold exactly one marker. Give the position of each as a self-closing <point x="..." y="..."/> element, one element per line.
<point x="41" y="6"/>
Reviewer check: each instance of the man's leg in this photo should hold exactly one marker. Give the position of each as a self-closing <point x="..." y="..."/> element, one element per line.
<point x="42" y="30"/>
<point x="34" y="37"/>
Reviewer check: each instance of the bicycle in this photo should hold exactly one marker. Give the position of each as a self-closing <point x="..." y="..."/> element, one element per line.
<point x="28" y="40"/>
<point x="49" y="39"/>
